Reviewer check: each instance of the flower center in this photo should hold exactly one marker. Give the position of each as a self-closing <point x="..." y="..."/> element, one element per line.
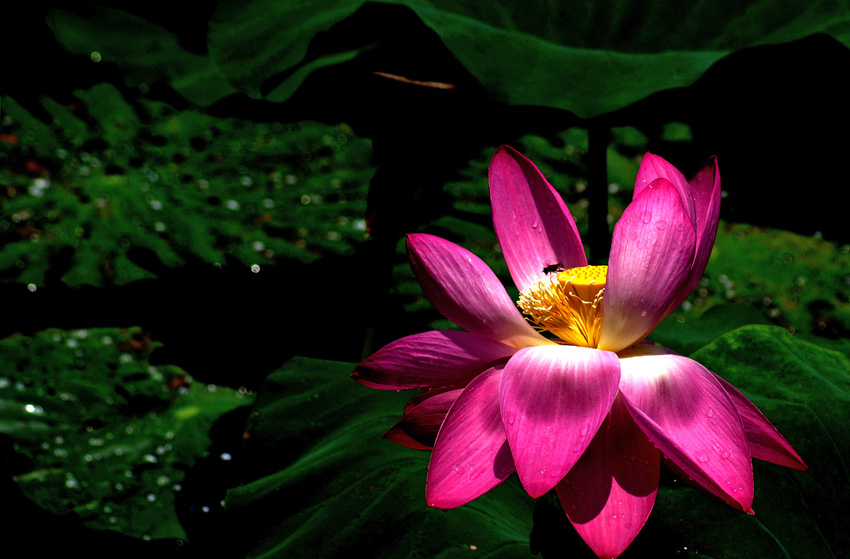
<point x="568" y="304"/>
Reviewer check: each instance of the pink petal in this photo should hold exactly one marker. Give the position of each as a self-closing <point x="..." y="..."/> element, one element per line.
<point x="651" y="253"/>
<point x="765" y="441"/>
<point x="609" y="493"/>
<point x="534" y="226"/>
<point x="688" y="415"/>
<point x="705" y="189"/>
<point x="553" y="399"/>
<point x="463" y="289"/>
<point x="653" y="167"/>
<point x="471" y="454"/>
<point x="422" y="418"/>
<point x="429" y="360"/>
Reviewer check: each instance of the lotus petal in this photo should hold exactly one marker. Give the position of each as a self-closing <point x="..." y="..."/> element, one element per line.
<point x="652" y="249"/>
<point x="430" y="359"/>
<point x="422" y="419"/>
<point x="687" y="414"/>
<point x="464" y="290"/>
<point x="611" y="490"/>
<point x="553" y="399"/>
<point x="653" y="167"/>
<point x="534" y="226"/>
<point x="471" y="454"/>
<point x="705" y="190"/>
<point x="764" y="440"/>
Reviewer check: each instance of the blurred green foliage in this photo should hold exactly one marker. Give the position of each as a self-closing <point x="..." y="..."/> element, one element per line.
<point x="101" y="176"/>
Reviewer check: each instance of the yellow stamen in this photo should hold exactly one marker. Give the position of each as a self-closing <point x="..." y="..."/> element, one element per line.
<point x="567" y="304"/>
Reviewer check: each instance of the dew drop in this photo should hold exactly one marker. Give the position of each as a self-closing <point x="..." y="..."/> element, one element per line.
<point x="661" y="225"/>
<point x="646" y="217"/>
<point x="709" y="412"/>
<point x="702" y="457"/>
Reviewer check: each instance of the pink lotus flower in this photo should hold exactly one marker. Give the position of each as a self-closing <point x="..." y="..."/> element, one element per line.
<point x="590" y="408"/>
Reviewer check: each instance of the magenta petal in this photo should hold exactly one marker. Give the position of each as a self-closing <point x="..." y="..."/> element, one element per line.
<point x="651" y="253"/>
<point x="534" y="226"/>
<point x="705" y="190"/>
<point x="688" y="415"/>
<point x="653" y="167"/>
<point x="553" y="399"/>
<point x="765" y="441"/>
<point x="611" y="490"/>
<point x="422" y="419"/>
<point x="429" y="360"/>
<point x="471" y="454"/>
<point x="464" y="290"/>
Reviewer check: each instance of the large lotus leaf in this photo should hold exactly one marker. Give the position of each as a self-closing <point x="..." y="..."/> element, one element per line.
<point x="322" y="482"/>
<point x="586" y="57"/>
<point x="687" y="336"/>
<point x="144" y="51"/>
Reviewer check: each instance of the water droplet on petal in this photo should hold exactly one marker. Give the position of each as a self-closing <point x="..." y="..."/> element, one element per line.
<point x="646" y="217"/>
<point x="661" y="225"/>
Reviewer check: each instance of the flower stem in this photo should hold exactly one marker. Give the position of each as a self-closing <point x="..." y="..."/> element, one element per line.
<point x="599" y="242"/>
